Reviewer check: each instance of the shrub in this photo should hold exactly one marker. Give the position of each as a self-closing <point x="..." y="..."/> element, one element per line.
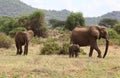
<point x="117" y="28"/>
<point x="36" y="40"/>
<point x="82" y="51"/>
<point x="112" y="34"/>
<point x="14" y="31"/>
<point x="50" y="47"/>
<point x="64" y="49"/>
<point x="7" y="24"/>
<point x="5" y="41"/>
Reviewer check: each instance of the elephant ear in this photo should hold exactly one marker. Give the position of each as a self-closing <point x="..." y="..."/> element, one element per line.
<point x="94" y="31"/>
<point x="30" y="34"/>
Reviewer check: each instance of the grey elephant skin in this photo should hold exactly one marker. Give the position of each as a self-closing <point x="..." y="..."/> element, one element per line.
<point x="87" y="36"/>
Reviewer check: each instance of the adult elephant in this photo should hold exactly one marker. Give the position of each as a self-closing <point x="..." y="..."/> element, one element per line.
<point x="88" y="37"/>
<point x="23" y="38"/>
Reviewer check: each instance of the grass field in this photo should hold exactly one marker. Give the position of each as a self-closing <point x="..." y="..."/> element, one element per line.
<point x="55" y="66"/>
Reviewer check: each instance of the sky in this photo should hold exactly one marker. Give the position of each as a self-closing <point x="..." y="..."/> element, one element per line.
<point x="89" y="8"/>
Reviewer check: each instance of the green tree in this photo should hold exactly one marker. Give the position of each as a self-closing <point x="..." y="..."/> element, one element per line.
<point x="107" y="22"/>
<point x="56" y="23"/>
<point x="7" y="24"/>
<point x="117" y="28"/>
<point x="75" y="19"/>
<point x="35" y="22"/>
<point x="112" y="33"/>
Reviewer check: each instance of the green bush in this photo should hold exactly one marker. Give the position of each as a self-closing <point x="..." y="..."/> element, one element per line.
<point x="64" y="49"/>
<point x="82" y="51"/>
<point x="117" y="28"/>
<point x="50" y="47"/>
<point x="7" y="24"/>
<point x="14" y="31"/>
<point x="112" y="34"/>
<point x="5" y="41"/>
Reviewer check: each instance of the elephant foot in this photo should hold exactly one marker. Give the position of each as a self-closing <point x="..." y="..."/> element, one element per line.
<point x="90" y="55"/>
<point x="99" y="56"/>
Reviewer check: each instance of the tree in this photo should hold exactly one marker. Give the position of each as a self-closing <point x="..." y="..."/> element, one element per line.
<point x="7" y="24"/>
<point x="117" y="28"/>
<point x="35" y="22"/>
<point x="56" y="23"/>
<point x="73" y="20"/>
<point x="107" y="22"/>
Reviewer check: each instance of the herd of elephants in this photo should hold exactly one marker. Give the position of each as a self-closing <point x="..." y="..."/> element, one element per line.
<point x="80" y="36"/>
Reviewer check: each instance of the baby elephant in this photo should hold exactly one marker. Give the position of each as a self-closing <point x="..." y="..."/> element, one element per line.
<point x="73" y="50"/>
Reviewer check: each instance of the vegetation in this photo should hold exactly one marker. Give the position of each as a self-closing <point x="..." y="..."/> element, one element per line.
<point x="64" y="49"/>
<point x="75" y="19"/>
<point x="48" y="64"/>
<point x="107" y="22"/>
<point x="113" y="34"/>
<point x="35" y="22"/>
<point x="55" y="66"/>
<point x="117" y="28"/>
<point x="5" y="41"/>
<point x="50" y="47"/>
<point x="14" y="8"/>
<point x="13" y="32"/>
<point x="7" y="24"/>
<point x="56" y="23"/>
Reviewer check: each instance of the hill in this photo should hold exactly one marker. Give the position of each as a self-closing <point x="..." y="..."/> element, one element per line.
<point x="95" y="20"/>
<point x="16" y="8"/>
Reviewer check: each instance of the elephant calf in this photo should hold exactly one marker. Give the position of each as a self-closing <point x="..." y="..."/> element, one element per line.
<point x="73" y="50"/>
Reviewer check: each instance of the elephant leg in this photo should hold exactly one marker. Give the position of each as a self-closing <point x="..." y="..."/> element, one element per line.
<point x="91" y="52"/>
<point x="20" y="52"/>
<point x="72" y="54"/>
<point x="25" y="49"/>
<point x="76" y="54"/>
<point x="99" y="52"/>
<point x="94" y="46"/>
<point x="18" y="49"/>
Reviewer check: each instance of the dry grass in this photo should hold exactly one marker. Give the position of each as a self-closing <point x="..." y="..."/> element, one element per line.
<point x="54" y="66"/>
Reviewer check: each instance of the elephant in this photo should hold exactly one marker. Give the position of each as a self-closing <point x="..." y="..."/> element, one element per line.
<point x="73" y="50"/>
<point x="22" y="39"/>
<point x="87" y="36"/>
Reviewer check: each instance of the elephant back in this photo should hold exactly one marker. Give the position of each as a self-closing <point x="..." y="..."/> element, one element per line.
<point x="21" y="38"/>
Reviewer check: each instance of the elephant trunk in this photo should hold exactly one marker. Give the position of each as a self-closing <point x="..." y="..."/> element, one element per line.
<point x="106" y="49"/>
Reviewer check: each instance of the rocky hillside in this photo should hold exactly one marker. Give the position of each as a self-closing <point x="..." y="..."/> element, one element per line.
<point x="16" y="8"/>
<point x="95" y="20"/>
